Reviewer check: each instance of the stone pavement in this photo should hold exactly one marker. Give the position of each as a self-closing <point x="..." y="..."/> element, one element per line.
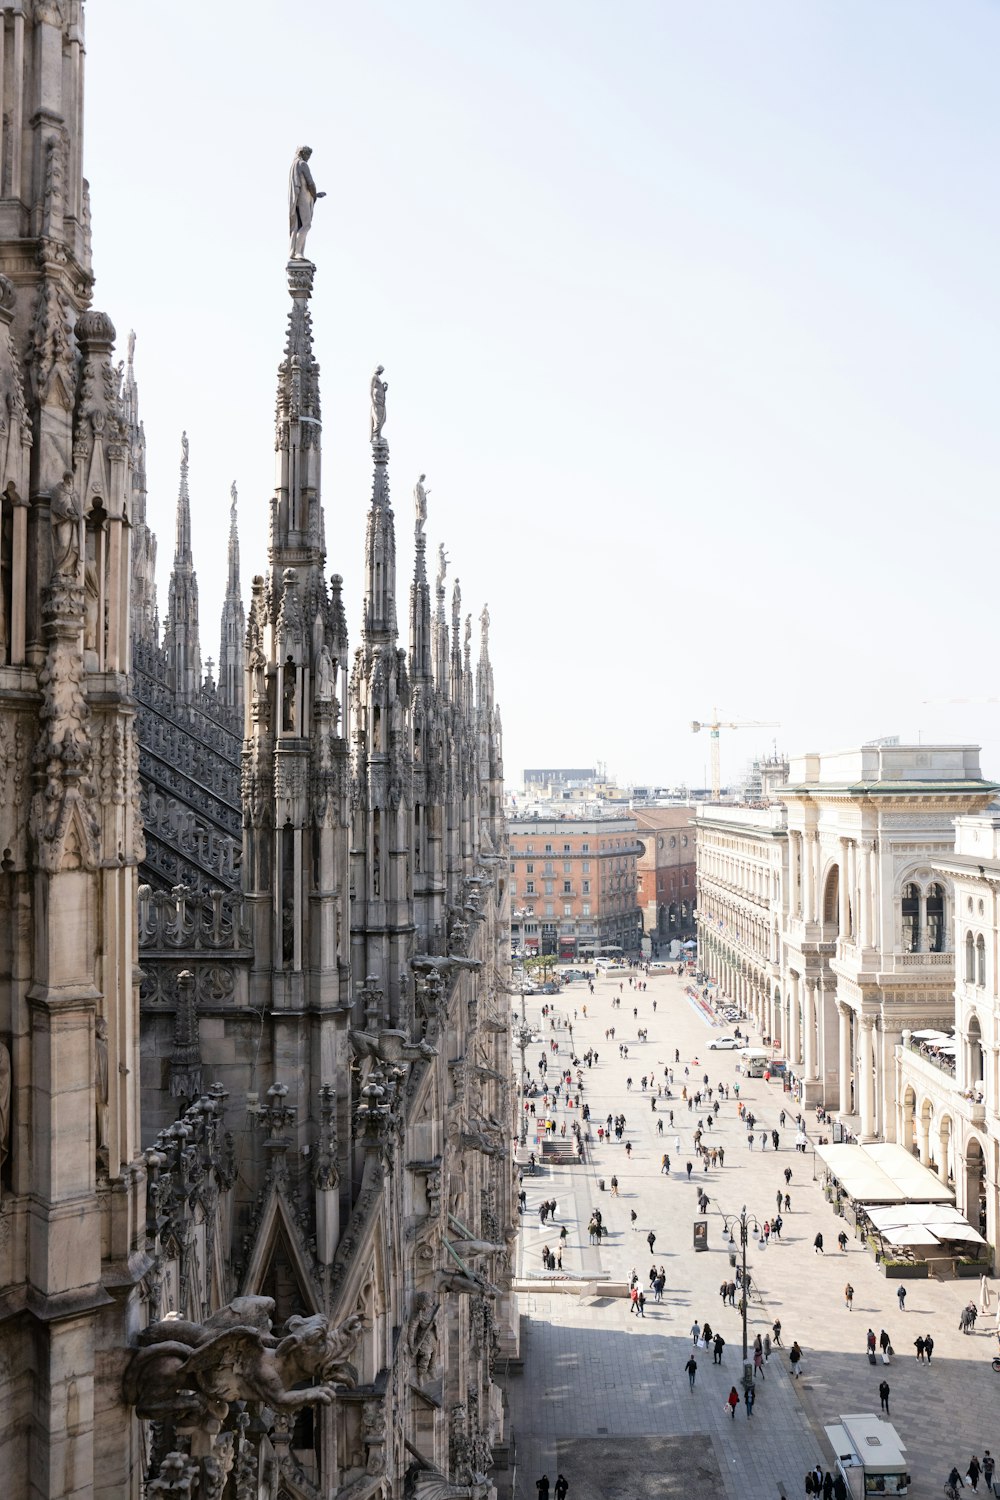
<point x="592" y="1370"/>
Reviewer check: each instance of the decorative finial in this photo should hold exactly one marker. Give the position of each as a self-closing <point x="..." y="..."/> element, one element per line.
<point x="232" y="496"/>
<point x="378" y="390"/>
<point x="420" y="503"/>
<point x="302" y="197"/>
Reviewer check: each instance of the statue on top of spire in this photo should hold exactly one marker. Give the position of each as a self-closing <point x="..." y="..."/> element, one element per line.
<point x="302" y="197"/>
<point x="232" y="496"/>
<point x="420" y="503"/>
<point x="442" y="565"/>
<point x="378" y="390"/>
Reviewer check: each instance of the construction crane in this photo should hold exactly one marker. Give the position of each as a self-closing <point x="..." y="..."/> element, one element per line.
<point x="713" y="726"/>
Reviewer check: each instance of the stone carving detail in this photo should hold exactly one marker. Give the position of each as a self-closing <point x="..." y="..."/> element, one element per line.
<point x="187" y="1374"/>
<point x="302" y="195"/>
<point x="52" y="347"/>
<point x="390" y="1046"/>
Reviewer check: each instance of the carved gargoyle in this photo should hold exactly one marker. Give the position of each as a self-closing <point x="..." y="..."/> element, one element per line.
<point x="429" y="1484"/>
<point x="392" y="1047"/>
<point x="467" y="1283"/>
<point x="427" y="963"/>
<point x="192" y="1384"/>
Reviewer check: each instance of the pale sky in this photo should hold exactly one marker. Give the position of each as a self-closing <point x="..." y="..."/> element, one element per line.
<point x="688" y="309"/>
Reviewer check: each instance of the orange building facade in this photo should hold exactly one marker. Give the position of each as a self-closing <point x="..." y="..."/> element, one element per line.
<point x="574" y="886"/>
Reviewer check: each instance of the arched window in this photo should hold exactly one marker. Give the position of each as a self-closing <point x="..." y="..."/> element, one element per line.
<point x="970" y="959"/>
<point x="980" y="960"/>
<point x="976" y="1069"/>
<point x="935" y="919"/>
<point x="911" y="919"/>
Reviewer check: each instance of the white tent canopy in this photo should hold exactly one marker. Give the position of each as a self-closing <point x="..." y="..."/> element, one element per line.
<point x="883" y="1173"/>
<point x="923" y="1224"/>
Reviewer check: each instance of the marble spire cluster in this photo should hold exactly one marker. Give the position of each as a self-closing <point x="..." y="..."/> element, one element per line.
<point x="350" y="955"/>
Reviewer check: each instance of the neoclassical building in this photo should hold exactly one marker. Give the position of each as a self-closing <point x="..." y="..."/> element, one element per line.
<point x="256" y="1196"/>
<point x="844" y="940"/>
<point x="948" y="1102"/>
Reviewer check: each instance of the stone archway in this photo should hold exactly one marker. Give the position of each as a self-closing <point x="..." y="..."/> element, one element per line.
<point x="908" y="1118"/>
<point x="975" y="1185"/>
<point x="945" y="1131"/>
<point x="925" y="1120"/>
<point x="831" y="904"/>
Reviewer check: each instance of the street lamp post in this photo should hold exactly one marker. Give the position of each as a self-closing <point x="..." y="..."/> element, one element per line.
<point x="745" y="1223"/>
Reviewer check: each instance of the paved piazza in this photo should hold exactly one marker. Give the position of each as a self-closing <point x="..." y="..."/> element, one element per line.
<point x="605" y="1393"/>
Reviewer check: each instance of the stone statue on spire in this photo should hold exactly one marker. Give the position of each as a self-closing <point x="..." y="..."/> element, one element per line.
<point x="442" y="565"/>
<point x="420" y="503"/>
<point x="232" y="497"/>
<point x="378" y="390"/>
<point x="302" y="195"/>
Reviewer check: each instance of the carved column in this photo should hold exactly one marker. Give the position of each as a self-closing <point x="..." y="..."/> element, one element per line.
<point x="844" y="1013"/>
<point x="809" y="1028"/>
<point x="865" y="925"/>
<point x="866" y="1070"/>
<point x="807" y="841"/>
<point x="843" y="891"/>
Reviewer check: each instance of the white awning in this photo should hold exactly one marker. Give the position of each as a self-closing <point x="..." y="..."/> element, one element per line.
<point x="912" y="1223"/>
<point x="883" y="1173"/>
<point x="928" y="1036"/>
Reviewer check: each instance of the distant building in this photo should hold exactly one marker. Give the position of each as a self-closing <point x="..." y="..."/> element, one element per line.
<point x="666" y="872"/>
<point x="574" y="885"/>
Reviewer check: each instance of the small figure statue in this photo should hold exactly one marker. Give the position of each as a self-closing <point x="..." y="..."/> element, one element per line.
<point x="484" y="623"/>
<point x="101" y="1081"/>
<point x="442" y="565"/>
<point x="324" y="675"/>
<point x="302" y="197"/>
<point x="420" y="503"/>
<point x="378" y="390"/>
<point x="65" y="512"/>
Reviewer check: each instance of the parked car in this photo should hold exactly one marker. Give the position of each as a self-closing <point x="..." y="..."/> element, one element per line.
<point x="549" y="989"/>
<point x="723" y="1044"/>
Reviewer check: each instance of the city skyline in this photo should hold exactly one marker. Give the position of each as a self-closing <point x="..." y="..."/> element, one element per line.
<point x="686" y="315"/>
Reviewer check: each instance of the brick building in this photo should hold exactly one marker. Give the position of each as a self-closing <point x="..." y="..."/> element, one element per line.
<point x="574" y="885"/>
<point x="666" y="873"/>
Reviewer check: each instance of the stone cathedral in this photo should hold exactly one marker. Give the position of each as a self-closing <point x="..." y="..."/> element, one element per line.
<point x="256" y="1192"/>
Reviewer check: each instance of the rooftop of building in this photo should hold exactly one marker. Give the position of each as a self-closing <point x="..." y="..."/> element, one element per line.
<point x="887" y="769"/>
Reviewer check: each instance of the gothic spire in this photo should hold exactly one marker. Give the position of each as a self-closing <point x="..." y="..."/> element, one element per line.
<point x="380" y="539"/>
<point x="297" y="528"/>
<point x="233" y="622"/>
<point x="421" y="662"/>
<point x="180" y="632"/>
<point x="440" y="630"/>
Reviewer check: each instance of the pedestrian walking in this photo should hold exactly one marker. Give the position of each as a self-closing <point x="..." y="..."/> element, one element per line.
<point x="849" y="1297"/>
<point x="692" y="1370"/>
<point x="901" y="1297"/>
<point x="767" y="1347"/>
<point x="973" y="1472"/>
<point x="928" y="1347"/>
<point x="634" y="1217"/>
<point x="688" y="1168"/>
<point x="651" y="1241"/>
<point x="749" y="1397"/>
<point x="778" y="1198"/>
<point x="840" y="1491"/>
<point x="795" y="1359"/>
<point x="818" y="1245"/>
<point x="718" y="1344"/>
<point x="776" y="1331"/>
<point x="562" y="1483"/>
<point x="827" y="1485"/>
<point x="542" y="1486"/>
<point x="988" y="1467"/>
<point x="885" y="1344"/>
<point x="614" y="1187"/>
<point x="634" y="1302"/>
<point x="641" y="1304"/>
<point x="870" y="1340"/>
<point x="842" y="1241"/>
<point x="732" y="1401"/>
<point x="788" y="1176"/>
<point x="695" y="1332"/>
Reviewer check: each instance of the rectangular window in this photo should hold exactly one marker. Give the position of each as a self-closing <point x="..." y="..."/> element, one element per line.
<point x="548" y="848"/>
<point x="586" y="908"/>
<point x="567" y="867"/>
<point x="567" y="911"/>
<point x="586" y="887"/>
<point x="549" y="887"/>
<point x="548" y="909"/>
<point x="530" y="869"/>
<point x="566" y="848"/>
<point x="530" y="888"/>
<point x="586" y="867"/>
<point x="567" y="887"/>
<point x="529" y="848"/>
<point x="584" y="848"/>
<point x="548" y="867"/>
